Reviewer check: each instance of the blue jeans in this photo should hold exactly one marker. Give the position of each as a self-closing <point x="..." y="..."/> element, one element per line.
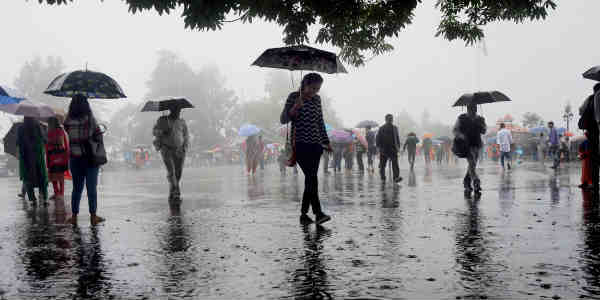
<point x="504" y="155"/>
<point x="82" y="174"/>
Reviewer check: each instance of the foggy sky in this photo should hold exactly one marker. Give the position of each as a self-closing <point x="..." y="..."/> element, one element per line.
<point x="537" y="64"/>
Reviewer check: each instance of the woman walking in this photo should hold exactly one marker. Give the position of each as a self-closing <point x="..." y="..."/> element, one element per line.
<point x="32" y="160"/>
<point x="253" y="153"/>
<point x="81" y="127"/>
<point x="309" y="137"/>
<point x="57" y="156"/>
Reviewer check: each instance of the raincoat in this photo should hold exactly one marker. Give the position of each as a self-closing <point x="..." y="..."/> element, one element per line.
<point x="32" y="160"/>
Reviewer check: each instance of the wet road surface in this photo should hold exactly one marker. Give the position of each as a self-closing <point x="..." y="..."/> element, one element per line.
<point x="532" y="234"/>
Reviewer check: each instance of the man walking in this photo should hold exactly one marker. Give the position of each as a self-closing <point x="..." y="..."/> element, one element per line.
<point x="554" y="142"/>
<point x="371" y="148"/>
<point x="388" y="143"/>
<point x="360" y="151"/>
<point x="468" y="130"/>
<point x="172" y="140"/>
<point x="590" y="121"/>
<point x="504" y="139"/>
<point x="411" y="144"/>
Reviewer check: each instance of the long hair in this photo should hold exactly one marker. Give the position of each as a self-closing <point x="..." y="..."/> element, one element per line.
<point x="309" y="79"/>
<point x="79" y="107"/>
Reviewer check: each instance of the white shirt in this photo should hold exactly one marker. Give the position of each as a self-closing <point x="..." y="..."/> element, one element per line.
<point x="504" y="139"/>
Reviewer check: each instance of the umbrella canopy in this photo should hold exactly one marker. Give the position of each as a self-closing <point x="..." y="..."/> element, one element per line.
<point x="340" y="136"/>
<point x="367" y="123"/>
<point x="593" y="73"/>
<point x="29" y="108"/>
<point x="361" y="138"/>
<point x="444" y="139"/>
<point x="10" y="139"/>
<point x="167" y="104"/>
<point x="427" y="135"/>
<point x="248" y="130"/>
<point x="94" y="85"/>
<point x="481" y="98"/>
<point x="8" y="96"/>
<point x="297" y="58"/>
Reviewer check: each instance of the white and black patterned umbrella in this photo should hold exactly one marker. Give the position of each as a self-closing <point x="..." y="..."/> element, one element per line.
<point x="593" y="73"/>
<point x="300" y="58"/>
<point x="94" y="85"/>
<point x="167" y="104"/>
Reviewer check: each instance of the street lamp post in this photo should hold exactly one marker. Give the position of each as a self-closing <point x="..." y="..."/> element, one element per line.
<point x="567" y="116"/>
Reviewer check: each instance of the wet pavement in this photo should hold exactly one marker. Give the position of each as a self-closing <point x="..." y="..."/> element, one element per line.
<point x="532" y="234"/>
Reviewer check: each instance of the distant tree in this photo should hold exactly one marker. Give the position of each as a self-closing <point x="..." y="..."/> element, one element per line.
<point x="531" y="119"/>
<point x="205" y="89"/>
<point x="405" y="123"/>
<point x="357" y="27"/>
<point x="36" y="75"/>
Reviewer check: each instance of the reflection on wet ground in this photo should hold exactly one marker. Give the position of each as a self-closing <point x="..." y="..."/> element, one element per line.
<point x="532" y="234"/>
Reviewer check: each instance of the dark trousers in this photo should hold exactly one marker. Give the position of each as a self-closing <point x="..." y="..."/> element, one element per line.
<point x="383" y="159"/>
<point x="174" y="164"/>
<point x="337" y="161"/>
<point x="593" y="137"/>
<point x="359" y="161"/>
<point x="84" y="175"/>
<point x="308" y="157"/>
<point x="504" y="155"/>
<point x="411" y="157"/>
<point x="370" y="154"/>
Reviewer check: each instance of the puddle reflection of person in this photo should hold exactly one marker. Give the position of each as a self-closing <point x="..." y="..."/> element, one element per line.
<point x="93" y="281"/>
<point x="310" y="281"/>
<point x="591" y="247"/>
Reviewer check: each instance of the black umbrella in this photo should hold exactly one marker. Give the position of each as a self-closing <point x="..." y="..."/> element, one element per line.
<point x="481" y="98"/>
<point x="593" y="73"/>
<point x="167" y="104"/>
<point x="90" y="84"/>
<point x="300" y="58"/>
<point x="10" y="139"/>
<point x="367" y="123"/>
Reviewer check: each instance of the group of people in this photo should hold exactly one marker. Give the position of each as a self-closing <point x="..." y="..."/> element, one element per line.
<point x="48" y="156"/>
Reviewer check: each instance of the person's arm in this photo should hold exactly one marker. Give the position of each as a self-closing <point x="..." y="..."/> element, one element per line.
<point x="456" y="129"/>
<point x="285" y="114"/>
<point x="157" y="130"/>
<point x="322" y="130"/>
<point x="186" y="136"/>
<point x="597" y="107"/>
<point x="378" y="139"/>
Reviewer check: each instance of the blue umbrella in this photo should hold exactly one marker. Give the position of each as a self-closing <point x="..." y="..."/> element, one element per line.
<point x="248" y="130"/>
<point x="328" y="127"/>
<point x="9" y="97"/>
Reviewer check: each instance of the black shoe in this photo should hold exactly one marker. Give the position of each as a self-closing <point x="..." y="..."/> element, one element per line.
<point x="305" y="219"/>
<point x="398" y="179"/>
<point x="322" y="218"/>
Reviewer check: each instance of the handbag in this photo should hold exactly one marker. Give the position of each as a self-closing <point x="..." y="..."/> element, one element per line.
<point x="94" y="150"/>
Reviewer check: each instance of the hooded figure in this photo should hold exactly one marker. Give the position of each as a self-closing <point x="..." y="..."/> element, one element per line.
<point x="31" y="141"/>
<point x="468" y="130"/>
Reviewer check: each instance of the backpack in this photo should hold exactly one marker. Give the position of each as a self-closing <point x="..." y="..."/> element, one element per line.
<point x="587" y="119"/>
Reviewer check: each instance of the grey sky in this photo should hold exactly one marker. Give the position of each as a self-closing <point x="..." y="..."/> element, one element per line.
<point x="538" y="65"/>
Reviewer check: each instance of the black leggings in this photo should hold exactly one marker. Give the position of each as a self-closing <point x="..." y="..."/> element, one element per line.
<point x="308" y="157"/>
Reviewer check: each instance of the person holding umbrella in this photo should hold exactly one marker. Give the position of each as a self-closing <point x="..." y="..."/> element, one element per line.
<point x="468" y="130"/>
<point x="589" y="121"/>
<point x="309" y="137"/>
<point x="171" y="138"/>
<point x="81" y="127"/>
<point x="254" y="149"/>
<point x="32" y="159"/>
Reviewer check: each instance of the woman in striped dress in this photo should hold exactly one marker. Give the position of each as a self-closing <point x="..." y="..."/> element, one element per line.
<point x="309" y="138"/>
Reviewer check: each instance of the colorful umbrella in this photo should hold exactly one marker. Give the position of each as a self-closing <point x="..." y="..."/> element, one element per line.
<point x="248" y="130"/>
<point x="427" y="135"/>
<point x="94" y="85"/>
<point x="8" y="96"/>
<point x="361" y="138"/>
<point x="29" y="108"/>
<point x="297" y="58"/>
<point x="340" y="136"/>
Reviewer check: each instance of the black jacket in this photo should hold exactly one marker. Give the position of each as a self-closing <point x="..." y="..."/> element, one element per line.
<point x="388" y="141"/>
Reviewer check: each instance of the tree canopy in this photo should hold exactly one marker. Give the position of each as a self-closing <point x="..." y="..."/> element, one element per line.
<point x="357" y="27"/>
